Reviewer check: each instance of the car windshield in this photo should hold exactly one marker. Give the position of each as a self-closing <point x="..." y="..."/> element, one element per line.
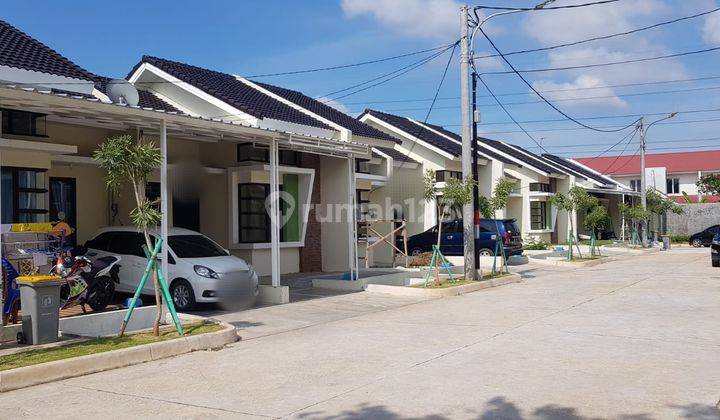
<point x="195" y="246"/>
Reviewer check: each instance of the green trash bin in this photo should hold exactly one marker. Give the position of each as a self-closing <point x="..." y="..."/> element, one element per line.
<point x="40" y="300"/>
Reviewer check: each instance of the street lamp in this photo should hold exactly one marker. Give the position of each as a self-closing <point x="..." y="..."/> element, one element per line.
<point x="643" y="181"/>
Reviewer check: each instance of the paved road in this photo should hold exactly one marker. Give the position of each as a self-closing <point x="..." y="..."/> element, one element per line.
<point x="633" y="339"/>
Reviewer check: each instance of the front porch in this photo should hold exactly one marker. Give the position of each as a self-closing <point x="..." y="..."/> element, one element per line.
<point x="264" y="212"/>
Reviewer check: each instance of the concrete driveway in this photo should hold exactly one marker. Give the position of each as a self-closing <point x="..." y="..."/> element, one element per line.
<point x="632" y="339"/>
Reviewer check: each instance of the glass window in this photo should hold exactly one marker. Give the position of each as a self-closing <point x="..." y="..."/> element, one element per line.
<point x="538" y="215"/>
<point x="444" y="176"/>
<point x="100" y="242"/>
<point x="195" y="246"/>
<point x="362" y="166"/>
<point x="24" y="196"/>
<point x="539" y="187"/>
<point x="23" y="123"/>
<point x="635" y="185"/>
<point x="289" y="157"/>
<point x="247" y="152"/>
<point x="673" y="185"/>
<point x="127" y="243"/>
<point x="253" y="218"/>
<point x="487" y="225"/>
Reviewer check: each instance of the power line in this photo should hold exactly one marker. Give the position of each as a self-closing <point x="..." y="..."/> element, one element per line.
<point x="542" y="97"/>
<point x="587" y="66"/>
<point x="508" y="113"/>
<point x="432" y="104"/>
<point x="575" y="146"/>
<point x="569" y="6"/>
<point x="672" y="148"/>
<point x="634" y="133"/>
<point x="611" y="126"/>
<point x="585" y="98"/>
<point x="697" y="79"/>
<point x="603" y="37"/>
<point x="392" y="75"/>
<point x="345" y="66"/>
<point x="604" y="117"/>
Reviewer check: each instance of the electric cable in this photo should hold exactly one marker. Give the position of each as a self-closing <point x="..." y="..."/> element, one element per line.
<point x="345" y="66"/>
<point x="543" y="98"/>
<point x="604" y="37"/>
<point x="386" y="77"/>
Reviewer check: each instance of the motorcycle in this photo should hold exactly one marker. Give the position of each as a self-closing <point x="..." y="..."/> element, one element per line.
<point x="87" y="282"/>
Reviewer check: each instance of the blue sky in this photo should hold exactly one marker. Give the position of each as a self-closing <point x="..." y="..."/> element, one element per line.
<point x="255" y="37"/>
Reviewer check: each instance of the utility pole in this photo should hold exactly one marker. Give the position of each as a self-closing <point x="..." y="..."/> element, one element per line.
<point x="476" y="189"/>
<point x="468" y="216"/>
<point x="643" y="181"/>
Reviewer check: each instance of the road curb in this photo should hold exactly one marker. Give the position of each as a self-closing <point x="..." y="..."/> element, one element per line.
<point x="78" y="366"/>
<point x="447" y="292"/>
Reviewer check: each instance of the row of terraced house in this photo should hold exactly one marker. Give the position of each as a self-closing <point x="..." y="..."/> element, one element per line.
<point x="231" y="143"/>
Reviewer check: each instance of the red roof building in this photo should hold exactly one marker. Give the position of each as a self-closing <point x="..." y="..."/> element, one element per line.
<point x="680" y="170"/>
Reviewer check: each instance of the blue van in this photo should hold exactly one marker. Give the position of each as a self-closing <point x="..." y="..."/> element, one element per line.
<point x="451" y="242"/>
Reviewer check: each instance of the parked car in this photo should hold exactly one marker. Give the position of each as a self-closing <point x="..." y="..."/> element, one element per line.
<point x="705" y="237"/>
<point x="715" y="251"/>
<point x="199" y="270"/>
<point x="452" y="240"/>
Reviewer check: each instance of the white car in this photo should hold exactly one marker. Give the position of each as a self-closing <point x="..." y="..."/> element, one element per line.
<point x="199" y="269"/>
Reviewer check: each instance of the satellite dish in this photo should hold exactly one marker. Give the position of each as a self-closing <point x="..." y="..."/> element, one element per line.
<point x="122" y="92"/>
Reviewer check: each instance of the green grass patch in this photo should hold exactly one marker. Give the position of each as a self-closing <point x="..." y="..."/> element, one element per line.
<point x="459" y="281"/>
<point x="100" y="345"/>
<point x="598" y="242"/>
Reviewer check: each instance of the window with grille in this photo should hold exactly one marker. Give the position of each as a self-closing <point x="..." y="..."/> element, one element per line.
<point x="538" y="215"/>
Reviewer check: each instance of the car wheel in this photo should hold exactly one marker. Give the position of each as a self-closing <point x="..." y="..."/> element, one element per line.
<point x="486" y="252"/>
<point x="697" y="243"/>
<point x="183" y="295"/>
<point x="416" y="251"/>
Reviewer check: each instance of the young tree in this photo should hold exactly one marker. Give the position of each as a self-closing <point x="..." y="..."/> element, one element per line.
<point x="636" y="214"/>
<point x="498" y="201"/>
<point x="577" y="199"/>
<point x="454" y="196"/>
<point x="596" y="220"/>
<point x="709" y="184"/>
<point x="128" y="161"/>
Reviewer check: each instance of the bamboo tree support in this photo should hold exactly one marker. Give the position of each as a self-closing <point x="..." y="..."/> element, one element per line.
<point x="149" y="268"/>
<point x="438" y="261"/>
<point x="593" y="245"/>
<point x="499" y="248"/>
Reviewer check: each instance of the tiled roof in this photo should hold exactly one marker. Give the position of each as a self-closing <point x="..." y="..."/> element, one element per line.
<point x="523" y="155"/>
<point x="418" y="131"/>
<point x="19" y="50"/>
<point x="326" y="111"/>
<point x="676" y="162"/>
<point x="582" y="169"/>
<point x="454" y="147"/>
<point x="232" y="91"/>
<point x="397" y="155"/>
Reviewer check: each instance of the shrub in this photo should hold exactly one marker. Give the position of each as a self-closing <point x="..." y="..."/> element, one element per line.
<point x="421" y="260"/>
<point x="679" y="239"/>
<point x="533" y="244"/>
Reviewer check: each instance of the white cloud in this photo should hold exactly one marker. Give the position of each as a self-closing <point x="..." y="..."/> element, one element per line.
<point x="335" y="104"/>
<point x="551" y="28"/>
<point x="419" y="18"/>
<point x="603" y="96"/>
<point x="711" y="29"/>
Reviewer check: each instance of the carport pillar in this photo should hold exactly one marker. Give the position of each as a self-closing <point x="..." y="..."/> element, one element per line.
<point x="352" y="221"/>
<point x="274" y="215"/>
<point x="622" y="216"/>
<point x="164" y="199"/>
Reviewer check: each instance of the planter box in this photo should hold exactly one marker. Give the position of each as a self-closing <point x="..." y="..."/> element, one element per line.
<point x="77" y="366"/>
<point x="428" y="293"/>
